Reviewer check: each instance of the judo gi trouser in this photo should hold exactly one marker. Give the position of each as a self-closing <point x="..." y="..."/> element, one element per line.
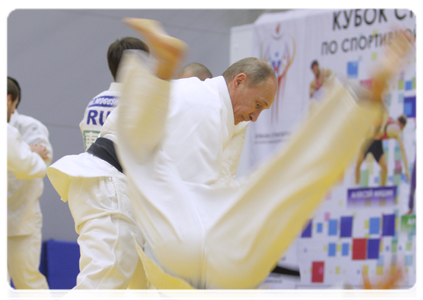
<point x="230" y="236"/>
<point x="108" y="255"/>
<point x="23" y="259"/>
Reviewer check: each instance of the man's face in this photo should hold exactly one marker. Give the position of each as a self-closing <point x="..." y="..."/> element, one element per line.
<point x="11" y="105"/>
<point x="249" y="102"/>
<point x="315" y="70"/>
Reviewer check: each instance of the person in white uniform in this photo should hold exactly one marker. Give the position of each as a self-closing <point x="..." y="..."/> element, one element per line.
<point x="226" y="236"/>
<point x="99" y="108"/>
<point x="95" y="188"/>
<point x="28" y="154"/>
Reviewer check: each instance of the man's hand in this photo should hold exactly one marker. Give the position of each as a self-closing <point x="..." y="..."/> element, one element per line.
<point x="387" y="282"/>
<point x="40" y="150"/>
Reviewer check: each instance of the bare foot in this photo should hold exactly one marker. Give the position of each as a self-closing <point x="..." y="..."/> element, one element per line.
<point x="396" y="51"/>
<point x="168" y="50"/>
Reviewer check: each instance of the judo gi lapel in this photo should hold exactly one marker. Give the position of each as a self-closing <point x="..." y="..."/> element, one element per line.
<point x="227" y="113"/>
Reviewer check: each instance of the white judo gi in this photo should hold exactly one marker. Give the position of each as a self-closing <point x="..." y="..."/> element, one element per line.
<point x="222" y="236"/>
<point x="26" y="170"/>
<point x="24" y="218"/>
<point x="97" y="195"/>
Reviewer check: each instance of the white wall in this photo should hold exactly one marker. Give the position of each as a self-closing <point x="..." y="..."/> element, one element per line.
<point x="59" y="59"/>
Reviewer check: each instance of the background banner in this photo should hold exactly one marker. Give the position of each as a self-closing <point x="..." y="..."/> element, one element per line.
<point x="367" y="222"/>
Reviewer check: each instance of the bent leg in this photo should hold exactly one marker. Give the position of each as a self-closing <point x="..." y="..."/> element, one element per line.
<point x="168" y="50"/>
<point x="360" y="160"/>
<point x="277" y="200"/>
<point x="108" y="254"/>
<point x="384" y="170"/>
<point x="145" y="97"/>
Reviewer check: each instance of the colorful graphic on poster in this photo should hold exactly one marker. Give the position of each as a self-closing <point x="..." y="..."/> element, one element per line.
<point x="279" y="52"/>
<point x="366" y="223"/>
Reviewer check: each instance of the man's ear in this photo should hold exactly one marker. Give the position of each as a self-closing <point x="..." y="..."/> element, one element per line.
<point x="239" y="79"/>
<point x="9" y="99"/>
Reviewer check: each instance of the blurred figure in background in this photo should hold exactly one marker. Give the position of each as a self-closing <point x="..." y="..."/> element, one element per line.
<point x="195" y="70"/>
<point x="29" y="154"/>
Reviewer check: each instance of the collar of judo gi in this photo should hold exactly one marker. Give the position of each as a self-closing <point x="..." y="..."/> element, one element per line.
<point x="226" y="99"/>
<point x="115" y="87"/>
<point x="220" y="84"/>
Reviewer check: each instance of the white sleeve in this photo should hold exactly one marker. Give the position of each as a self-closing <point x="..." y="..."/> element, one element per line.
<point x="21" y="161"/>
<point x="33" y="132"/>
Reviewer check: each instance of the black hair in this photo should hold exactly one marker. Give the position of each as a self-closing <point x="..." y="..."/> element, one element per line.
<point x="14" y="89"/>
<point x="314" y="63"/>
<point x="115" y="51"/>
<point x="402" y="119"/>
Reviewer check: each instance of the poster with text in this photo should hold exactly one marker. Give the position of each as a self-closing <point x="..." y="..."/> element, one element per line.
<point x="366" y="223"/>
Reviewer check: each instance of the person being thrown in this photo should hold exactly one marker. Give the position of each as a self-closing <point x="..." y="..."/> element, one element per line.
<point x="228" y="236"/>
